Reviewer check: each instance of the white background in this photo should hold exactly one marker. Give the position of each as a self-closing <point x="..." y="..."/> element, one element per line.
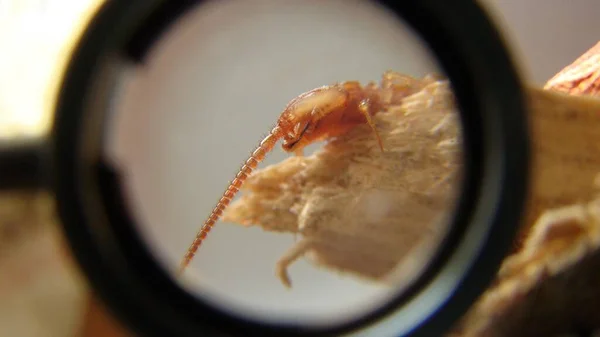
<point x="217" y="84"/>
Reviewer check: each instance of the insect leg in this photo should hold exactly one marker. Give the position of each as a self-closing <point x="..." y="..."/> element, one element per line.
<point x="364" y="109"/>
<point x="293" y="254"/>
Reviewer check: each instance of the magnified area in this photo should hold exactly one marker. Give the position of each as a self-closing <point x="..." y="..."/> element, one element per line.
<point x="354" y="184"/>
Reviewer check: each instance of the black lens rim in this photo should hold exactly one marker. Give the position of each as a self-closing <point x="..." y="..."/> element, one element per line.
<point x="121" y="268"/>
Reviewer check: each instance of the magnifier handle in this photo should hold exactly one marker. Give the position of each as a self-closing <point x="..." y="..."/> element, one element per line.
<point x="21" y="159"/>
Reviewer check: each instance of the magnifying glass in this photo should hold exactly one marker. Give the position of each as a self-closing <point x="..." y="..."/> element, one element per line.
<point x="349" y="168"/>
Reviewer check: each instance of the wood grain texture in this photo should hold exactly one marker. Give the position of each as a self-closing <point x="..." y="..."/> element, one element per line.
<point x="549" y="287"/>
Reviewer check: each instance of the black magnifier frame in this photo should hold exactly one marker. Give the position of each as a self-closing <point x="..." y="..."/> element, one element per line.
<point x="119" y="265"/>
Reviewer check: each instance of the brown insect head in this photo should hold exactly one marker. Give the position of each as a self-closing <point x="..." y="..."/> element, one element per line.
<point x="303" y="116"/>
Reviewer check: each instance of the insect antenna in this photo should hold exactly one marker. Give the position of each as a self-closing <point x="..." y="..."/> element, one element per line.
<point x="266" y="145"/>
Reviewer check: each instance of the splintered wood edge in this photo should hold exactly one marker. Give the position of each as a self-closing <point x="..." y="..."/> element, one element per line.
<point x="582" y="77"/>
<point x="555" y="272"/>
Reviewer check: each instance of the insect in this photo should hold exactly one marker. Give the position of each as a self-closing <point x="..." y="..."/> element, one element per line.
<point x="316" y="115"/>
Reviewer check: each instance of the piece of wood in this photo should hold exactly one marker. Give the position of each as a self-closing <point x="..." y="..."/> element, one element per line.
<point x="357" y="209"/>
<point x="550" y="286"/>
<point x="565" y="141"/>
<point x="581" y="77"/>
<point x="329" y="198"/>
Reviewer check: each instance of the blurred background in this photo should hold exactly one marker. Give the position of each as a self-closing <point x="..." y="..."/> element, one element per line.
<point x="180" y="161"/>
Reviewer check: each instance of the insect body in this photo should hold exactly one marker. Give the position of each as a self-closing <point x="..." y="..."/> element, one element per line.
<point x="315" y="115"/>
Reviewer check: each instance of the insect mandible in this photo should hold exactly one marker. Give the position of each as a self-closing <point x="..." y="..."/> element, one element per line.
<point x="315" y="115"/>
